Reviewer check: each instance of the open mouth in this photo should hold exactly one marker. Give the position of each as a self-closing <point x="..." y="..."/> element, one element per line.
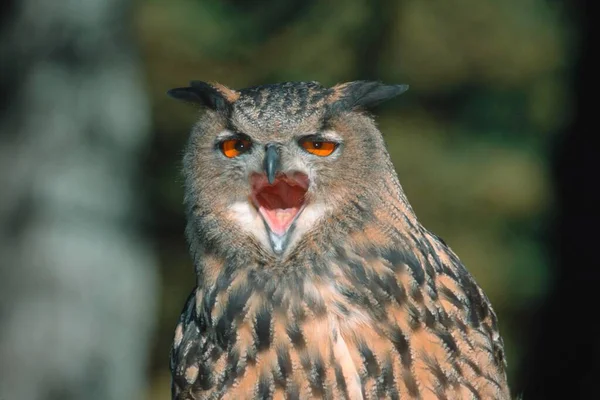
<point x="279" y="203"/>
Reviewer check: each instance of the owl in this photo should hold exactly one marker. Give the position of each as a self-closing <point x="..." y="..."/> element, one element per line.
<point x="314" y="278"/>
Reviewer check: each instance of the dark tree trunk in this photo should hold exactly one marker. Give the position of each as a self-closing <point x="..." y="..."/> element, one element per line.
<point x="564" y="356"/>
<point x="77" y="279"/>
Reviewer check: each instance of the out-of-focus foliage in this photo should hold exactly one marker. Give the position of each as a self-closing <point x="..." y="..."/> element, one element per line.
<point x="470" y="139"/>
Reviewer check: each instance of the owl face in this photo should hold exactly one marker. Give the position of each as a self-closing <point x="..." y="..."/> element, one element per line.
<point x="271" y="162"/>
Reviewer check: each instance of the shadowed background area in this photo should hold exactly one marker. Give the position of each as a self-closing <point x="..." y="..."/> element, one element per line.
<point x="94" y="266"/>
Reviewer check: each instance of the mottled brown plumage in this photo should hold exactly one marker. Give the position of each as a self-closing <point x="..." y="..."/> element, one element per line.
<point x="356" y="300"/>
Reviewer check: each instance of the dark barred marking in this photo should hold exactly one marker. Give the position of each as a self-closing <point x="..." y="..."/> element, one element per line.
<point x="428" y="250"/>
<point x="472" y="390"/>
<point x="472" y="365"/>
<point x="362" y="388"/>
<point x="226" y="276"/>
<point x="292" y="392"/>
<point x="402" y="346"/>
<point x="439" y="239"/>
<point x="437" y="371"/>
<point x="451" y="297"/>
<point x="398" y="292"/>
<point x="256" y="280"/>
<point x="298" y="313"/>
<point x="493" y="380"/>
<point x="411" y="383"/>
<point x="358" y="271"/>
<point x="339" y="379"/>
<point x="316" y="377"/>
<point x="305" y="361"/>
<point x="445" y="319"/>
<point x="354" y="297"/>
<point x="233" y="367"/>
<point x="224" y="333"/>
<point x="236" y="302"/>
<point x="417" y="270"/>
<point x="498" y="354"/>
<point x="382" y="296"/>
<point x="289" y="101"/>
<point x="210" y="297"/>
<point x="251" y="355"/>
<point x="262" y="328"/>
<point x="188" y="313"/>
<point x="385" y="283"/>
<point x="463" y="328"/>
<point x="457" y="368"/>
<point x="284" y="361"/>
<point x="448" y="340"/>
<point x="429" y="319"/>
<point x="263" y="390"/>
<point x="295" y="334"/>
<point x="342" y="308"/>
<point x="431" y="274"/>
<point x="417" y="295"/>
<point x="204" y="380"/>
<point x="179" y="380"/>
<point x="414" y="317"/>
<point x="215" y="353"/>
<point x="394" y="257"/>
<point x="316" y="305"/>
<point x="387" y="380"/>
<point x="369" y="360"/>
<point x="303" y="101"/>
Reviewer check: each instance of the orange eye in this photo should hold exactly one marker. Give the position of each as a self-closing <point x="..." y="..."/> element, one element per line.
<point x="318" y="148"/>
<point x="234" y="147"/>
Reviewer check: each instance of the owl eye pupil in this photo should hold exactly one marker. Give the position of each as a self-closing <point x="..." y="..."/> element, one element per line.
<point x="321" y="148"/>
<point x="234" y="147"/>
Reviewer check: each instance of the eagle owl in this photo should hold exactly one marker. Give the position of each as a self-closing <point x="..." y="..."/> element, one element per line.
<point x="314" y="277"/>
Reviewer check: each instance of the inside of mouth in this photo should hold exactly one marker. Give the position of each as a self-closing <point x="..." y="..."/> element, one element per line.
<point x="279" y="203"/>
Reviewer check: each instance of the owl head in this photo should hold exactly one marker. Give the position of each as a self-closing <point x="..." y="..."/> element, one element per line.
<point x="267" y="166"/>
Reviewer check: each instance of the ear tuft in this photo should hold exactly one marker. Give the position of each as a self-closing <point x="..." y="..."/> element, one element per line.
<point x="214" y="96"/>
<point x="363" y="94"/>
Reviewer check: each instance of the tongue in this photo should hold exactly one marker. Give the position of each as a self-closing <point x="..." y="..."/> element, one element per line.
<point x="279" y="219"/>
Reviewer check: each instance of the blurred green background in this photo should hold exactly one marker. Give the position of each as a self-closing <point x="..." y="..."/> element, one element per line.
<point x="470" y="140"/>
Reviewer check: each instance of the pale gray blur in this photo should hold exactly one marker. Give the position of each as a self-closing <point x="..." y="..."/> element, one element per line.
<point x="77" y="280"/>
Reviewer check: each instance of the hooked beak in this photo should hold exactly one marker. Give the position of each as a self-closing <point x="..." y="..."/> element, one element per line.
<point x="272" y="162"/>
